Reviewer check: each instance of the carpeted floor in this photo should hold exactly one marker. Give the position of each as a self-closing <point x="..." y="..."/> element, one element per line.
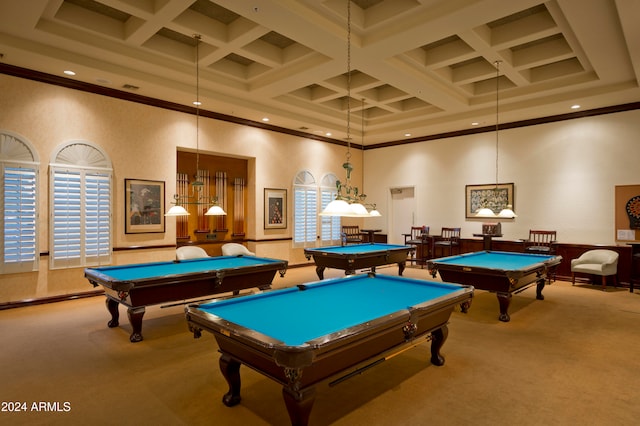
<point x="573" y="358"/>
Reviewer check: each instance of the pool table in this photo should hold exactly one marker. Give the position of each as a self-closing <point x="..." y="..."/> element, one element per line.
<point x="504" y="273"/>
<point x="352" y="257"/>
<point x="325" y="331"/>
<point x="139" y="285"/>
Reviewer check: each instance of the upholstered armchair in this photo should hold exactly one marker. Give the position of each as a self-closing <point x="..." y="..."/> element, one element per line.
<point x="190" y="252"/>
<point x="596" y="262"/>
<point x="235" y="249"/>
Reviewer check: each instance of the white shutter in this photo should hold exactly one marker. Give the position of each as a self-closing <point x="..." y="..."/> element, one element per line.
<point x="80" y="218"/>
<point x="19" y="218"/>
<point x="66" y="220"/>
<point x="305" y="202"/>
<point x="97" y="218"/>
<point x="330" y="225"/>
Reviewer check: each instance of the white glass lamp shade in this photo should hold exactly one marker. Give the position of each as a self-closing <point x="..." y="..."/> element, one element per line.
<point x="357" y="209"/>
<point x="336" y="208"/>
<point x="485" y="212"/>
<point x="177" y="211"/>
<point x="374" y="213"/>
<point x="507" y="213"/>
<point x="215" y="210"/>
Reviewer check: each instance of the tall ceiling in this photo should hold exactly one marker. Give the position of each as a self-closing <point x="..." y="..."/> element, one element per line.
<point x="418" y="67"/>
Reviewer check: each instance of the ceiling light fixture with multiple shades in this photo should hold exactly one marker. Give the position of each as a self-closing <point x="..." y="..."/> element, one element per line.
<point x="197" y="187"/>
<point x="496" y="201"/>
<point x="349" y="201"/>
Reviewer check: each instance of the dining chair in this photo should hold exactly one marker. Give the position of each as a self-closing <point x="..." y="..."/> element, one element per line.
<point x="448" y="239"/>
<point x="418" y="238"/>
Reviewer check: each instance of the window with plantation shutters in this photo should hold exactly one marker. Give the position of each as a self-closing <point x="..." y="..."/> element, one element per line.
<point x="329" y="225"/>
<point x="19" y="205"/>
<point x="305" y="210"/>
<point x="80" y="207"/>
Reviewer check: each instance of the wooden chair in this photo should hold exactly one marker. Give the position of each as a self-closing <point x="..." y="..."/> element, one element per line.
<point x="351" y="234"/>
<point x="448" y="239"/>
<point x="418" y="238"/>
<point x="540" y="242"/>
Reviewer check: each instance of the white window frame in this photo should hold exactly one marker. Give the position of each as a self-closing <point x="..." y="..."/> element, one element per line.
<point x="305" y="210"/>
<point x="19" y="213"/>
<point x="330" y="226"/>
<point x="87" y="239"/>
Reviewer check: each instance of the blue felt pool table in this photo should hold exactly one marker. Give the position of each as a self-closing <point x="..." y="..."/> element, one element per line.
<point x="138" y="285"/>
<point x="352" y="257"/>
<point x="504" y="273"/>
<point x="325" y="331"/>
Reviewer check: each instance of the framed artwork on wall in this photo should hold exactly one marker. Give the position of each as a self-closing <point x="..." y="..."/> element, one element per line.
<point x="275" y="208"/>
<point x="144" y="206"/>
<point x="493" y="196"/>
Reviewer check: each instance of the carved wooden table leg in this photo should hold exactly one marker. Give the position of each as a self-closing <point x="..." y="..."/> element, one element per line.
<point x="231" y="371"/>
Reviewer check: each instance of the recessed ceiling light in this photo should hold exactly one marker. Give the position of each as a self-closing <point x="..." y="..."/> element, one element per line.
<point x="576" y="106"/>
<point x="265" y="119"/>
<point x="69" y="72"/>
<point x="328" y="133"/>
<point x="407" y="134"/>
<point x="475" y="123"/>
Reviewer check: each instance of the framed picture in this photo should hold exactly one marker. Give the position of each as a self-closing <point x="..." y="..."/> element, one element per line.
<point x="144" y="206"/>
<point x="275" y="208"/>
<point x="493" y="196"/>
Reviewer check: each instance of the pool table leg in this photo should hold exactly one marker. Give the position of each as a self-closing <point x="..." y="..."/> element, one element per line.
<point x="320" y="272"/>
<point x="230" y="369"/>
<point x="539" y="287"/>
<point x="401" y="266"/>
<point x="299" y="404"/>
<point x="504" y="299"/>
<point x="135" y="319"/>
<point x="112" y="307"/>
<point x="437" y="340"/>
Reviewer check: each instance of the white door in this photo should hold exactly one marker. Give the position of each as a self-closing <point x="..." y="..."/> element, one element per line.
<point x="403" y="213"/>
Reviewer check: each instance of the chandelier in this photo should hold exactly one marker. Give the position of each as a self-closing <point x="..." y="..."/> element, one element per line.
<point x="349" y="200"/>
<point x="506" y="211"/>
<point x="197" y="196"/>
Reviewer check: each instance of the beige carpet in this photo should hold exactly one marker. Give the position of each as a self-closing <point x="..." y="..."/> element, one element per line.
<point x="572" y="359"/>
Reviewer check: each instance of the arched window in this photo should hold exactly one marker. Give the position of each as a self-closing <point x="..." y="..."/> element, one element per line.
<point x="80" y="187"/>
<point x="305" y="210"/>
<point x="19" y="166"/>
<point x="329" y="225"/>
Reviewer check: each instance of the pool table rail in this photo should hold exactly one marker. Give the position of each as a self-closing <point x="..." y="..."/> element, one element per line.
<point x="353" y="257"/>
<point x="139" y="285"/>
<point x="332" y="357"/>
<point x="477" y="270"/>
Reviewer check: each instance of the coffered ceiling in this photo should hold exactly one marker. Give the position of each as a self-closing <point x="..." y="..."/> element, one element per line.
<point x="418" y="67"/>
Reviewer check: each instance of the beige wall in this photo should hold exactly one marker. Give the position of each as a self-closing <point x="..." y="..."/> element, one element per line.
<point x="142" y="142"/>
<point x="564" y="173"/>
